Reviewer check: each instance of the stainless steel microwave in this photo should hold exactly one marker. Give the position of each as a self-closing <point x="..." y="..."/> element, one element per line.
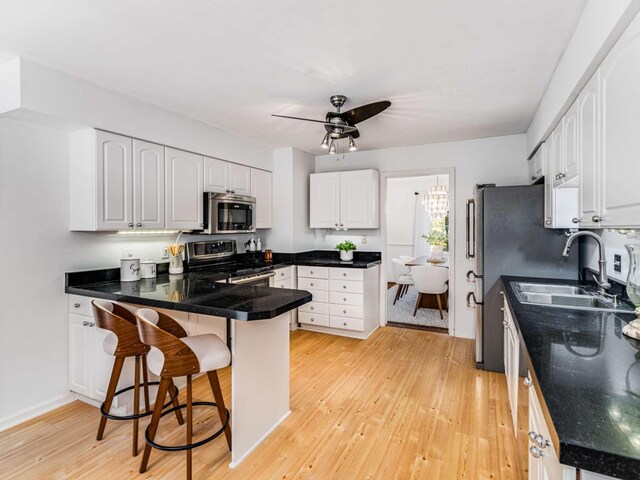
<point x="228" y="213"/>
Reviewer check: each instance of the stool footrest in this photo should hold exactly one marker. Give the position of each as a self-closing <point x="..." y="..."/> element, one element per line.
<point x="140" y="415"/>
<point x="178" y="448"/>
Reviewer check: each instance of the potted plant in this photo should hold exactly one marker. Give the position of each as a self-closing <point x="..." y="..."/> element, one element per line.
<point x="437" y="237"/>
<point x="346" y="249"/>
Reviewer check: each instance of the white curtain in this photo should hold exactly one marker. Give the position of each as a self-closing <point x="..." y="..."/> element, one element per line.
<point x="421" y="226"/>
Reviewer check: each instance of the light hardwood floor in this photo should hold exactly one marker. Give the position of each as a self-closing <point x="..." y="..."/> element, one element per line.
<point x="404" y="404"/>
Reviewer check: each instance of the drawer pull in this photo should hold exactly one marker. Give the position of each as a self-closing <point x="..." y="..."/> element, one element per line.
<point x="311" y="319"/>
<point x="344" y="323"/>
<point x="76" y="305"/>
<point x="344" y="274"/>
<point x="344" y="299"/>
<point x="532" y="435"/>
<point x="311" y="308"/>
<point x="311" y="272"/>
<point x="282" y="274"/>
<point x="527" y="381"/>
<point x="311" y="284"/>
<point x="344" y="311"/>
<point x="536" y="452"/>
<point x="85" y="323"/>
<point x="344" y="286"/>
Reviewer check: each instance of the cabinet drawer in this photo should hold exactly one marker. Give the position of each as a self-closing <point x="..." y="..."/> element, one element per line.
<point x="340" y="298"/>
<point x="347" y="323"/>
<point x="347" y="311"/>
<point x="315" y="307"/>
<point x="313" y="284"/>
<point x="317" y="295"/>
<point x="313" y="319"/>
<point x="283" y="274"/>
<point x="346" y="286"/>
<point x="283" y="284"/>
<point x="313" y="272"/>
<point x="80" y="305"/>
<point x="347" y="274"/>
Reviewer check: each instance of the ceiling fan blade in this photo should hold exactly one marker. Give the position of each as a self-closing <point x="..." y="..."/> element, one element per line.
<point x="300" y="118"/>
<point x="360" y="114"/>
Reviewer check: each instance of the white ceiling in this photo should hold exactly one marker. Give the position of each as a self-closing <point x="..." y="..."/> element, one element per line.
<point x="453" y="69"/>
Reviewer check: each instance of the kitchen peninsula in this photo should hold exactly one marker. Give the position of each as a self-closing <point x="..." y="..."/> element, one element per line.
<point x="259" y="336"/>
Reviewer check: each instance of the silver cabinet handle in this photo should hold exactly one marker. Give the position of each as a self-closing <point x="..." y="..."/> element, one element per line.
<point x="85" y="323"/>
<point x="336" y="224"/>
<point x="532" y="435"/>
<point x="547" y="222"/>
<point x="228" y="191"/>
<point x="527" y="381"/>
<point x="233" y="191"/>
<point x="311" y="307"/>
<point x="344" y="311"/>
<point x="311" y="272"/>
<point x="344" y="323"/>
<point x="282" y="274"/>
<point x="541" y="442"/>
<point x="536" y="452"/>
<point x="501" y="293"/>
<point x="502" y="309"/>
<point x="344" y="299"/>
<point x="138" y="225"/>
<point x="344" y="274"/>
<point x="311" y="284"/>
<point x="76" y="305"/>
<point x="202" y="225"/>
<point x="131" y="225"/>
<point x="596" y="219"/>
<point x="533" y="177"/>
<point x="344" y="286"/>
<point x="575" y="220"/>
<point x="91" y="324"/>
<point x="506" y="324"/>
<point x="312" y="319"/>
<point x="342" y="224"/>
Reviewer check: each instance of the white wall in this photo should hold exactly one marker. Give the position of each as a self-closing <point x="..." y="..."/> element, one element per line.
<point x="291" y="170"/>
<point x="55" y="98"/>
<point x="614" y="244"/>
<point x="497" y="160"/>
<point x="600" y="25"/>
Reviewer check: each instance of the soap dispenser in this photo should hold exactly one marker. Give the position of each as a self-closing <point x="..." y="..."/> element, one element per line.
<point x="252" y="244"/>
<point x="259" y="245"/>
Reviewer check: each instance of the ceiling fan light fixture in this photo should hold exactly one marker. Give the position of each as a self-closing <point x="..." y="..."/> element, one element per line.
<point x="332" y="147"/>
<point x="352" y="144"/>
<point x="325" y="141"/>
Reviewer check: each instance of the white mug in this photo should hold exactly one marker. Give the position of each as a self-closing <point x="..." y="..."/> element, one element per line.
<point x="129" y="269"/>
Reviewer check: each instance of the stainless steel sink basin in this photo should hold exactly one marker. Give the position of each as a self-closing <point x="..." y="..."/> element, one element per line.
<point x="566" y="296"/>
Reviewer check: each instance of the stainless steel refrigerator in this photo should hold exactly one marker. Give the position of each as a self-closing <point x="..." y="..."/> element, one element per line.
<point x="506" y="236"/>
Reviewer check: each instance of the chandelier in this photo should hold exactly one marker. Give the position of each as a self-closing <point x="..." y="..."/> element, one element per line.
<point x="436" y="201"/>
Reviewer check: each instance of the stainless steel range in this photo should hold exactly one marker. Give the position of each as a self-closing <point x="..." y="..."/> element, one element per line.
<point x="220" y="257"/>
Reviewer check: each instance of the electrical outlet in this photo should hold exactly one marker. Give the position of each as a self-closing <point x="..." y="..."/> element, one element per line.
<point x="364" y="239"/>
<point x="617" y="263"/>
<point x="164" y="253"/>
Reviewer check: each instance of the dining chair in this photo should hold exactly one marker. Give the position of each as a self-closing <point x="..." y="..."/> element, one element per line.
<point x="431" y="280"/>
<point x="402" y="274"/>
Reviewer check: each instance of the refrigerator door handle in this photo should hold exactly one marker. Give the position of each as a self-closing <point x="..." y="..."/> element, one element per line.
<point x="473" y="274"/>
<point x="471" y="231"/>
<point x="470" y="296"/>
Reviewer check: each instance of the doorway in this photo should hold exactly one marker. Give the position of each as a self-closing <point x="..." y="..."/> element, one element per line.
<point x="418" y="251"/>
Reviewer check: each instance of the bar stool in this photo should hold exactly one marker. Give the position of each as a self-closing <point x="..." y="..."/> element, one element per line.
<point x="170" y="357"/>
<point x="123" y="341"/>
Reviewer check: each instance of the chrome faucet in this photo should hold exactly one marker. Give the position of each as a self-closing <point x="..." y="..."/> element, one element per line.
<point x="602" y="281"/>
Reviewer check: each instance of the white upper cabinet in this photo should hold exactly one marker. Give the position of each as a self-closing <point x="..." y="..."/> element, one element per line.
<point x="184" y="190"/>
<point x="115" y="181"/>
<point x="359" y="193"/>
<point x="344" y="199"/>
<point x="148" y="185"/>
<point x="225" y="177"/>
<point x="216" y="175"/>
<point x="536" y="165"/>
<point x="262" y="190"/>
<point x="239" y="179"/>
<point x="620" y="102"/>
<point x="589" y="151"/>
<point x="569" y="174"/>
<point x="556" y="151"/>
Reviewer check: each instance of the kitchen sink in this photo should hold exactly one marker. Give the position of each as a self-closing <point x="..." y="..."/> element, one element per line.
<point x="567" y="296"/>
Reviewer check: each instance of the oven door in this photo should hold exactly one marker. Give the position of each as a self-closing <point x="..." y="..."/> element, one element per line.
<point x="231" y="215"/>
<point x="260" y="280"/>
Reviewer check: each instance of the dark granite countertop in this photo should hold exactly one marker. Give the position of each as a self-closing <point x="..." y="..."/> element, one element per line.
<point x="589" y="375"/>
<point x="329" y="258"/>
<point x="190" y="292"/>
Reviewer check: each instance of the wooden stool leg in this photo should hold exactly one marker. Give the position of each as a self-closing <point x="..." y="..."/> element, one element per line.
<point x="415" y="310"/>
<point x="217" y="395"/>
<point x="145" y="379"/>
<point x="111" y="390"/>
<point x="172" y="391"/>
<point x="136" y="405"/>
<point x="440" y="306"/>
<point x="155" y="419"/>
<point x="189" y="426"/>
<point x="397" y="294"/>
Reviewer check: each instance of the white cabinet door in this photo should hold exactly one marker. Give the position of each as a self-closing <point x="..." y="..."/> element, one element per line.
<point x="536" y="166"/>
<point x="216" y="175"/>
<point x="589" y="153"/>
<point x="262" y="190"/>
<point x="555" y="152"/>
<point x="569" y="175"/>
<point x="148" y="185"/>
<point x="620" y="101"/>
<point x="101" y="364"/>
<point x="358" y="192"/>
<point x="324" y="205"/>
<point x="114" y="181"/>
<point x="79" y="346"/>
<point x="184" y="190"/>
<point x="239" y="179"/>
<point x="548" y="184"/>
<point x="200" y="324"/>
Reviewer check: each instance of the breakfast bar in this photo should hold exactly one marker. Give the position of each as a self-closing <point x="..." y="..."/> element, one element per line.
<point x="259" y="338"/>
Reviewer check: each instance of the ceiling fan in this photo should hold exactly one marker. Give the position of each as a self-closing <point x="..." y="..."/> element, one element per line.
<point x="340" y="124"/>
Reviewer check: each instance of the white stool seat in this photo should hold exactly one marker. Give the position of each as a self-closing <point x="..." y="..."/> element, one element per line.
<point x="110" y="343"/>
<point x="209" y="349"/>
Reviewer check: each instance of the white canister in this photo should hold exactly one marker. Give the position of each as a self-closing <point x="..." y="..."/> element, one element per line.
<point x="129" y="269"/>
<point x="148" y="269"/>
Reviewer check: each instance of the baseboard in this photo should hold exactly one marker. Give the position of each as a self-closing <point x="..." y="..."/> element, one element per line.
<point x="35" y="411"/>
<point x="259" y="441"/>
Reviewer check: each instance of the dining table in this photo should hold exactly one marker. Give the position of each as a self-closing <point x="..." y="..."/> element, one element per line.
<point x="428" y="260"/>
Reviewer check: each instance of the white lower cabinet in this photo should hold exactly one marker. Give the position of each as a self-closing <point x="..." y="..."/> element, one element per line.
<point x="286" y="278"/>
<point x="345" y="300"/>
<point x="511" y="363"/>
